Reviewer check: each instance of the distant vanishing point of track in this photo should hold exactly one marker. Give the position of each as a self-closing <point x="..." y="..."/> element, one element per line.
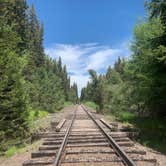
<point x="84" y="140"/>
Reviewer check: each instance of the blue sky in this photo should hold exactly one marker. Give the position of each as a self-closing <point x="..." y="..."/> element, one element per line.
<point x="88" y="33"/>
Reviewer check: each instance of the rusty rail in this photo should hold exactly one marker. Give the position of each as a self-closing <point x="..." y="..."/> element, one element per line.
<point x="64" y="142"/>
<point x="125" y="158"/>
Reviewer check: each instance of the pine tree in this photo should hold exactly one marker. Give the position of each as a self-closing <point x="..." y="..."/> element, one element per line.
<point x="65" y="82"/>
<point x="119" y="66"/>
<point x="16" y="17"/>
<point x="59" y="65"/>
<point x="12" y="97"/>
<point x="28" y="78"/>
<point x="36" y="39"/>
<point x="73" y="93"/>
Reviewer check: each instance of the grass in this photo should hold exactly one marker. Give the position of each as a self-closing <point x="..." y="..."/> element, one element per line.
<point x="21" y="149"/>
<point x="68" y="103"/>
<point x="11" y="151"/>
<point x="36" y="114"/>
<point x="126" y="116"/>
<point x="37" y="120"/>
<point x="91" y="105"/>
<point x="152" y="130"/>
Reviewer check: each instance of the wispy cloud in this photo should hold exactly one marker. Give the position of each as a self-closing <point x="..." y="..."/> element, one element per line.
<point x="80" y="58"/>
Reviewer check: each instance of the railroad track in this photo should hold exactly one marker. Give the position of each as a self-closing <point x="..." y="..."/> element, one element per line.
<point x="85" y="140"/>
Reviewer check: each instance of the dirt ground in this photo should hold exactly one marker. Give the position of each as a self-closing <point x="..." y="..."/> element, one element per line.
<point x="18" y="159"/>
<point x="25" y="154"/>
<point x="161" y="158"/>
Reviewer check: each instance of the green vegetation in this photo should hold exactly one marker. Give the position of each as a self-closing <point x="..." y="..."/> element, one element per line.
<point x="31" y="84"/>
<point x="21" y="149"/>
<point x="36" y="121"/>
<point x="152" y="130"/>
<point x="139" y="83"/>
<point x="134" y="90"/>
<point x="73" y="95"/>
<point x="92" y="105"/>
<point x="68" y="103"/>
<point x="36" y="114"/>
<point x="11" y="151"/>
<point x="126" y="116"/>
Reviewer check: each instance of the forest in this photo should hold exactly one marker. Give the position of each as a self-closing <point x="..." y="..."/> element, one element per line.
<point x="134" y="89"/>
<point x="139" y="82"/>
<point x="30" y="81"/>
<point x="33" y="83"/>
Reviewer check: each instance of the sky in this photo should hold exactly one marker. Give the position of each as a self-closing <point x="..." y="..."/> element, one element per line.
<point x="88" y="34"/>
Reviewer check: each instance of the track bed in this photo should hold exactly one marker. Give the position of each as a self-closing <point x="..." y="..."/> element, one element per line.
<point x="84" y="140"/>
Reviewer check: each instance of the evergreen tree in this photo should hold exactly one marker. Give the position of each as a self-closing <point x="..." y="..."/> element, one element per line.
<point x="12" y="97"/>
<point x="119" y="65"/>
<point x="73" y="93"/>
<point x="143" y="76"/>
<point x="28" y="78"/>
<point x="16" y="17"/>
<point x="59" y="66"/>
<point x="65" y="82"/>
<point x="35" y="39"/>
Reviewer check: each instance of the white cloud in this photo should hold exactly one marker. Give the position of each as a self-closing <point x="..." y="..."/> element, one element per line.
<point x="101" y="58"/>
<point x="80" y="58"/>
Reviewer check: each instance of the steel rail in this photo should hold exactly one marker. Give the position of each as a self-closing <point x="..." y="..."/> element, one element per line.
<point x="64" y="142"/>
<point x="127" y="160"/>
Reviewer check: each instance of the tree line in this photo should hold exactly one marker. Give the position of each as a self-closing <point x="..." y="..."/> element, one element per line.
<point x="139" y="83"/>
<point x="29" y="79"/>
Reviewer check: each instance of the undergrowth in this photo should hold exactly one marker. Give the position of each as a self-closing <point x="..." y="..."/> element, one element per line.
<point x="152" y="130"/>
<point x="91" y="105"/>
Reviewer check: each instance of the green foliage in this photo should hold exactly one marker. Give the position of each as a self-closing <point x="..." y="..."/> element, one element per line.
<point x="139" y="84"/>
<point x="119" y="65"/>
<point x="95" y="90"/>
<point x="28" y="78"/>
<point x="112" y="76"/>
<point x="152" y="130"/>
<point x="67" y="103"/>
<point x="102" y="89"/>
<point x="126" y="116"/>
<point x="13" y="104"/>
<point x="35" y="114"/>
<point x="36" y="120"/>
<point x="36" y="39"/>
<point x="11" y="151"/>
<point x="14" y="150"/>
<point x="135" y="90"/>
<point x="91" y="105"/>
<point x="148" y="72"/>
<point x="16" y="17"/>
<point x="48" y="91"/>
<point x="73" y="94"/>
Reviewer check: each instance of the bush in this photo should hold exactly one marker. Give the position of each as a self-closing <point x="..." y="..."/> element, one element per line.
<point x="152" y="130"/>
<point x="126" y="116"/>
<point x="35" y="114"/>
<point x="11" y="151"/>
<point x="67" y="103"/>
<point x="91" y="105"/>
